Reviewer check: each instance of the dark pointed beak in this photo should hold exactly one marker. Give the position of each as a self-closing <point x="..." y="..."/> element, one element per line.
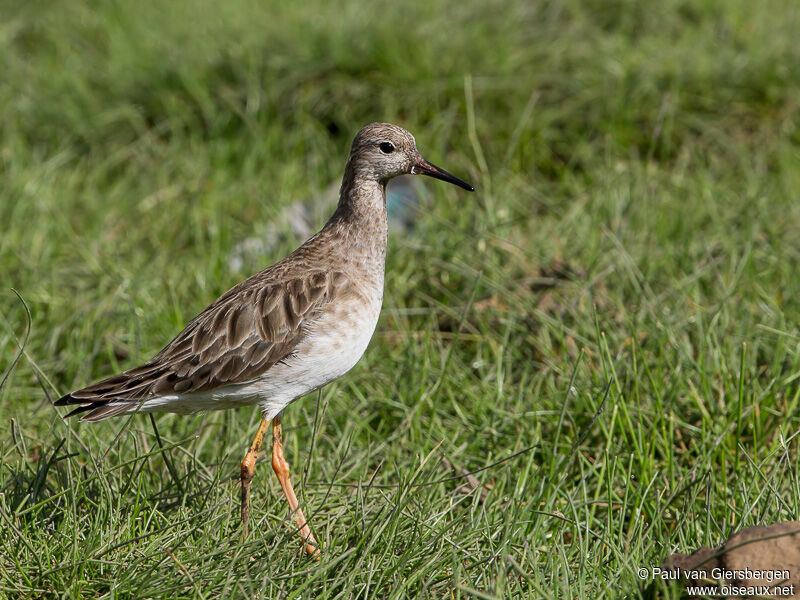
<point x="423" y="167"/>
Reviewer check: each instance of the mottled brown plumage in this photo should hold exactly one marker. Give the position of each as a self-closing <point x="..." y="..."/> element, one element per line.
<point x="235" y="340"/>
<point x="287" y="330"/>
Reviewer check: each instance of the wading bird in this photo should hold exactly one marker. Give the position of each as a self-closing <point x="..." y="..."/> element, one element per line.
<point x="287" y="330"/>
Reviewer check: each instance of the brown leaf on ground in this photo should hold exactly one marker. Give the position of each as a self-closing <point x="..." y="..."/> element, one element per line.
<point x="472" y="482"/>
<point x="764" y="560"/>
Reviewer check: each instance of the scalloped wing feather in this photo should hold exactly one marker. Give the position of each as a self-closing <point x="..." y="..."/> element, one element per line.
<point x="237" y="339"/>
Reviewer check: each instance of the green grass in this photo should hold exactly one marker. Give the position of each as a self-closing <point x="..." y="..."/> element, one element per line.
<point x="636" y="222"/>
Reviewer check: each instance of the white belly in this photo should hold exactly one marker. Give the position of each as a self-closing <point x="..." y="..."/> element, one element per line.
<point x="331" y="348"/>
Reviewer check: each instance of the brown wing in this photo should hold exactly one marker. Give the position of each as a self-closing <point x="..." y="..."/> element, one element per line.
<point x="235" y="340"/>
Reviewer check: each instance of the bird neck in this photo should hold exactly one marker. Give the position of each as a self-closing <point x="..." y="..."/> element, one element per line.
<point x="361" y="219"/>
<point x="361" y="197"/>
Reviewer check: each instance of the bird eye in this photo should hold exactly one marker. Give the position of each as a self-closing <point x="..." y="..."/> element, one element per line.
<point x="386" y="147"/>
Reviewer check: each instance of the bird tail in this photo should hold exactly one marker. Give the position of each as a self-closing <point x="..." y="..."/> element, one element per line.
<point x="110" y="397"/>
<point x="115" y="395"/>
<point x="95" y="410"/>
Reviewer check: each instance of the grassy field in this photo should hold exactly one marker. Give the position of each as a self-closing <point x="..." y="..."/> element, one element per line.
<point x="619" y="299"/>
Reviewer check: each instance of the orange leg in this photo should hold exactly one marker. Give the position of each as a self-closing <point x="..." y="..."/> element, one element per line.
<point x="249" y="469"/>
<point x="281" y="468"/>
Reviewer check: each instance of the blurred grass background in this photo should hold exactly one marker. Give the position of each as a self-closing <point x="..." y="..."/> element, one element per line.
<point x="636" y="221"/>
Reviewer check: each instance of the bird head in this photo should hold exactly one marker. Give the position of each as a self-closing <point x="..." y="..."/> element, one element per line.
<point x="382" y="151"/>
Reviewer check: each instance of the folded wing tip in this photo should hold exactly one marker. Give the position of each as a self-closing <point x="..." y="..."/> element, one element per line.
<point x="65" y="400"/>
